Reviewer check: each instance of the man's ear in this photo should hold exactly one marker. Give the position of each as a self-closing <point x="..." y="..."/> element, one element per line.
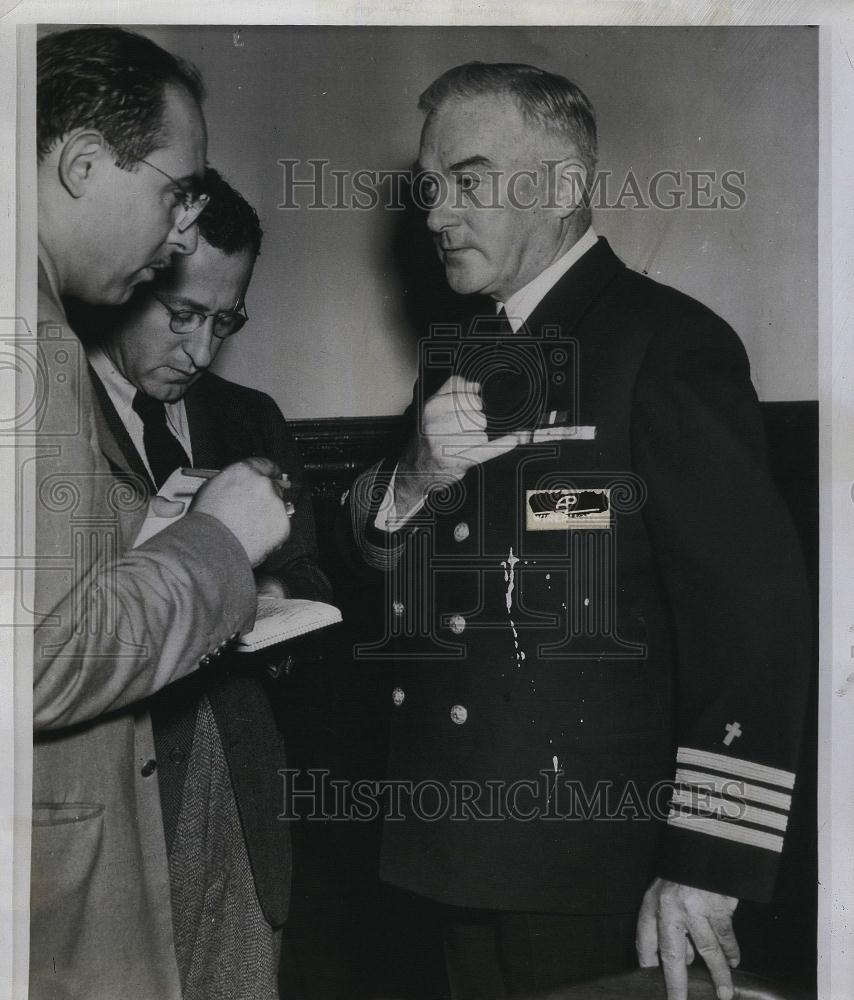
<point x="570" y="186"/>
<point x="81" y="154"/>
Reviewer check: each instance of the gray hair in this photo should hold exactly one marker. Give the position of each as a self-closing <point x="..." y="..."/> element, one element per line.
<point x="545" y="99"/>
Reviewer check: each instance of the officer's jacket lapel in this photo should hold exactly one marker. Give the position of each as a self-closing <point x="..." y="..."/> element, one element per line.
<point x="578" y="289"/>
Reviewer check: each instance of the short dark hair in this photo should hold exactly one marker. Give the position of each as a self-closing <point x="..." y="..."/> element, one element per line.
<point x="228" y="222"/>
<point x="111" y="80"/>
<point x="553" y="102"/>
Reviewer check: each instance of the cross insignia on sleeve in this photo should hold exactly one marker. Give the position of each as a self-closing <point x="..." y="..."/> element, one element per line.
<point x="733" y="729"/>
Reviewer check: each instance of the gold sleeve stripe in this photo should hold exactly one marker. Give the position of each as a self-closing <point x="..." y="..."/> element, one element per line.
<point x="736" y="767"/>
<point x="732" y="811"/>
<point x="737" y="788"/>
<point x="727" y="831"/>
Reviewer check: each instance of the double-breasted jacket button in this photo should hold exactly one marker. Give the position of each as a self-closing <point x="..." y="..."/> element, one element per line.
<point x="148" y="768"/>
<point x="206" y="660"/>
<point x="234" y="637"/>
<point x="398" y="608"/>
<point x="457" y="624"/>
<point x="459" y="714"/>
<point x="177" y="755"/>
<point x="397" y="696"/>
<point x="461" y="532"/>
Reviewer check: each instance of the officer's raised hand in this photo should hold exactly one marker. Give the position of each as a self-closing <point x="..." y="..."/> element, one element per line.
<point x="675" y="921"/>
<point x="451" y="439"/>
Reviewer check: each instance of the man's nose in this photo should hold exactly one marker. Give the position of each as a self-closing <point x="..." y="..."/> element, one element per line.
<point x="441" y="215"/>
<point x="199" y="344"/>
<point x="183" y="241"/>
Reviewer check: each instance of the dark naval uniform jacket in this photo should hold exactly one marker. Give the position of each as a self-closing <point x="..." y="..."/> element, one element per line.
<point x="227" y="423"/>
<point x="598" y="643"/>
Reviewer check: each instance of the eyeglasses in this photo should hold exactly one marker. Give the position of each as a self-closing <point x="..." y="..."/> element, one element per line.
<point x="225" y="324"/>
<point x="191" y="203"/>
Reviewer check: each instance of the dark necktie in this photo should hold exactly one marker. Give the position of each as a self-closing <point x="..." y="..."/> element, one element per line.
<point x="503" y="327"/>
<point x="511" y="378"/>
<point x="162" y="448"/>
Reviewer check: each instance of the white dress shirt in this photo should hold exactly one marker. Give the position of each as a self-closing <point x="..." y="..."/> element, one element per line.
<point x="122" y="392"/>
<point x="521" y="304"/>
<point x="518" y="308"/>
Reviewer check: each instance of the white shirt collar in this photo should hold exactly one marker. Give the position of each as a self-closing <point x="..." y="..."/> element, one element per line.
<point x="521" y="304"/>
<point x="122" y="392"/>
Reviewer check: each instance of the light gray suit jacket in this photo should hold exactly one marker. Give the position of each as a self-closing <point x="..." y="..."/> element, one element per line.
<point x="115" y="625"/>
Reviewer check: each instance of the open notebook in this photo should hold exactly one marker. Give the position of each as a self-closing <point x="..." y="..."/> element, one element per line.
<point x="277" y="618"/>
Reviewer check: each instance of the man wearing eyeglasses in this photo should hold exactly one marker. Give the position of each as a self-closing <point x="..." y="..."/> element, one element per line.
<point x="214" y="730"/>
<point x="166" y="338"/>
<point x="121" y="146"/>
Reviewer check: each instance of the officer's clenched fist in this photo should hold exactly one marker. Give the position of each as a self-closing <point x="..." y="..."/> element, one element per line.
<point x="451" y="439"/>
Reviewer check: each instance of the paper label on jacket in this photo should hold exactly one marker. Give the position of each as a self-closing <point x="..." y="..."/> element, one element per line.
<point x="565" y="510"/>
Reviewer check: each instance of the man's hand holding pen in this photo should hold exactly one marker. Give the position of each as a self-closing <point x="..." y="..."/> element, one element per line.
<point x="281" y="482"/>
<point x="247" y="497"/>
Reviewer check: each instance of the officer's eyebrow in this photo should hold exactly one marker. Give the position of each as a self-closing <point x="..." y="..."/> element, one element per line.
<point x="455" y="168"/>
<point x="468" y="162"/>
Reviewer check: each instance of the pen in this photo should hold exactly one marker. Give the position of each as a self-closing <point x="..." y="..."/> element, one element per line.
<point x="210" y="473"/>
<point x="200" y="473"/>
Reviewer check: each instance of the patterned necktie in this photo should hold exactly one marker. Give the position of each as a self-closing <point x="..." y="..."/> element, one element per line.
<point x="162" y="448"/>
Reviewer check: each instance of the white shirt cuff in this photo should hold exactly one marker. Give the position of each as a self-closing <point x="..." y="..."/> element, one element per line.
<point x="387" y="518"/>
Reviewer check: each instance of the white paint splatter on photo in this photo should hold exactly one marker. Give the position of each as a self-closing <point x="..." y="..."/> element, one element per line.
<point x="509" y="567"/>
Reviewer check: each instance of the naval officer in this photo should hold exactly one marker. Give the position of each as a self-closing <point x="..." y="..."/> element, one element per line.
<point x="594" y="589"/>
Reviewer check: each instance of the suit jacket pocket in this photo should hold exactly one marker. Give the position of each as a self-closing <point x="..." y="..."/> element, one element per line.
<point x="66" y="847"/>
